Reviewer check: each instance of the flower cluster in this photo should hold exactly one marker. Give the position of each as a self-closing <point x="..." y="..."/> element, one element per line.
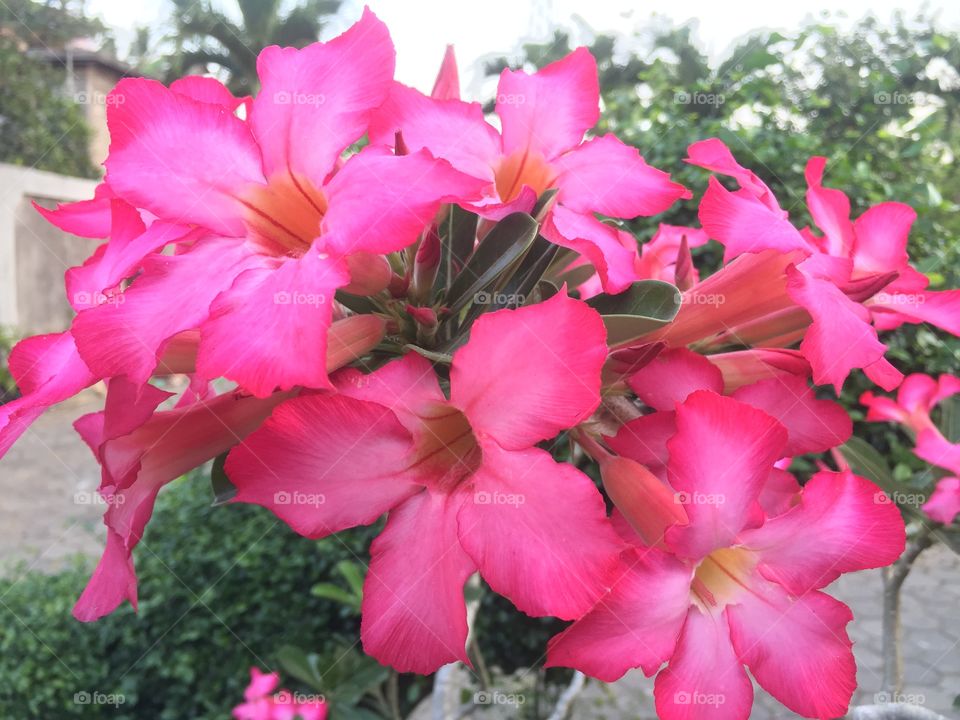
<point x="377" y="302"/>
<point x="916" y="398"/>
<point x="262" y="702"/>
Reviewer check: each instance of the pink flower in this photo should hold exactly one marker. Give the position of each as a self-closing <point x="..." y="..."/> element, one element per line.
<point x="852" y="280"/>
<point x="544" y="117"/>
<point x="916" y="398"/>
<point x="812" y="425"/>
<point x="279" y="222"/>
<point x="740" y="587"/>
<point x="943" y="505"/>
<point x="464" y="485"/>
<point x="263" y="704"/>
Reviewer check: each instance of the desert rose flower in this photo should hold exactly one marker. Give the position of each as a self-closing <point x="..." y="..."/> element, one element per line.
<point x="737" y="587"/>
<point x="464" y="485"/>
<point x="541" y="147"/>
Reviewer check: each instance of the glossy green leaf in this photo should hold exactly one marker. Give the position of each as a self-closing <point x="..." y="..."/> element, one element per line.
<point x="223" y="490"/>
<point x="645" y="306"/>
<point x="501" y="248"/>
<point x="866" y="461"/>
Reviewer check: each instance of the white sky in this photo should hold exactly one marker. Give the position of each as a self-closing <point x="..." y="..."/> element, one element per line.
<point x="478" y="28"/>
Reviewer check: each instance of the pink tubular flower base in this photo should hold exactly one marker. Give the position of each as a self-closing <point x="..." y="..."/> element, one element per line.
<point x="372" y="305"/>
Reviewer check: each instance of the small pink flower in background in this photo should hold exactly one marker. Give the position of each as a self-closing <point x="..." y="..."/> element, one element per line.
<point x="943" y="504"/>
<point x="737" y="587"/>
<point x="544" y="117"/>
<point x="262" y="702"/>
<point x="466" y="487"/>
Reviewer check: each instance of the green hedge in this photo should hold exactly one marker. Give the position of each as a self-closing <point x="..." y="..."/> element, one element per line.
<point x="221" y="589"/>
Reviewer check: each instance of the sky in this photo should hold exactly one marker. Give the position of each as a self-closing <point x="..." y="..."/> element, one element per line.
<point x="421" y="29"/>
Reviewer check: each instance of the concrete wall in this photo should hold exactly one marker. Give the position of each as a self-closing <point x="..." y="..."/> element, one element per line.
<point x="33" y="254"/>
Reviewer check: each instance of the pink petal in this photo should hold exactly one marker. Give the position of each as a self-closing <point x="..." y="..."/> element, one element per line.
<point x="743" y="224"/>
<point x="538" y="531"/>
<point x="647" y="503"/>
<point x="611" y="251"/>
<point x="882" y="233"/>
<point x="671" y="376"/>
<point x="182" y="159"/>
<point x="410" y="190"/>
<point x="936" y="450"/>
<point x="745" y="367"/>
<point x="85" y="218"/>
<point x="138" y="465"/>
<point x="269" y="330"/>
<point x="713" y="155"/>
<point x="407" y="385"/>
<point x="449" y="129"/>
<point x="261" y="684"/>
<point x="48" y="370"/>
<point x="447" y="84"/>
<point x="944" y="503"/>
<point x="173" y="293"/>
<point x="606" y="176"/>
<point x="841" y="524"/>
<point x="208" y="90"/>
<point x="529" y="373"/>
<point x="119" y="258"/>
<point x="636" y="624"/>
<point x="704" y="680"/>
<point x="840" y="337"/>
<point x="645" y="439"/>
<point x="939" y="308"/>
<point x="830" y="210"/>
<point x="414" y="614"/>
<point x="549" y="112"/>
<point x="658" y="257"/>
<point x="315" y="102"/>
<point x="796" y="647"/>
<point x="720" y="460"/>
<point x="813" y="426"/>
<point x="324" y="463"/>
<point x="780" y="493"/>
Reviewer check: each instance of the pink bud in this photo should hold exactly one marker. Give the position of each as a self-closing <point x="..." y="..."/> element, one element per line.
<point x="353" y="337"/>
<point x="647" y="503"/>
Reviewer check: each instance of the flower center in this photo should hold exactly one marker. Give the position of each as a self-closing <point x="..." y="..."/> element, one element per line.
<point x="721" y="577"/>
<point x="447" y="446"/>
<point x="519" y="169"/>
<point x="283" y="217"/>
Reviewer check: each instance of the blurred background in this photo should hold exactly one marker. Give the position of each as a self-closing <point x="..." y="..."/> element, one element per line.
<point x="873" y="86"/>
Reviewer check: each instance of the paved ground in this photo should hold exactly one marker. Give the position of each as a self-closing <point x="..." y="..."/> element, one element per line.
<point x="48" y="514"/>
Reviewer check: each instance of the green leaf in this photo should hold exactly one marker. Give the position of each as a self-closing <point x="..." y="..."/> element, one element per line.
<point x="353" y="575"/>
<point x="504" y="244"/>
<point x="357" y="303"/>
<point x="431" y="355"/>
<point x="865" y="460"/>
<point x="300" y="665"/>
<point x="335" y="593"/>
<point x="645" y="306"/>
<point x="223" y="489"/>
<point x="950" y="418"/>
<point x="459" y="233"/>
